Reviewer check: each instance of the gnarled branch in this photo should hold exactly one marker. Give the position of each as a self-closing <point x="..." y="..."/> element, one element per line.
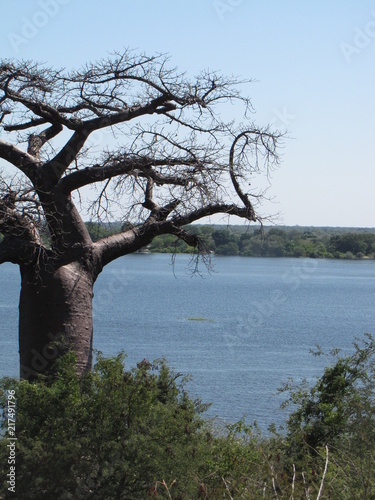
<point x="25" y="162"/>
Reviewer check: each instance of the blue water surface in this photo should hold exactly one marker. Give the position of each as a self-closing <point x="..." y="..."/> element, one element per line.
<point x="240" y="330"/>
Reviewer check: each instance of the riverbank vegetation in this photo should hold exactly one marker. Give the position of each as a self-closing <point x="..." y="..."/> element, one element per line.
<point x="137" y="434"/>
<point x="252" y="241"/>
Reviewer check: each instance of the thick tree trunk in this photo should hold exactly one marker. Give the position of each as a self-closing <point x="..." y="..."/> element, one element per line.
<point x="55" y="315"/>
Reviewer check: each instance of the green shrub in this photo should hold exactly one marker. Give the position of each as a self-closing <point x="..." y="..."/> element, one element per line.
<point x="120" y="434"/>
<point x="338" y="412"/>
<point x="111" y="435"/>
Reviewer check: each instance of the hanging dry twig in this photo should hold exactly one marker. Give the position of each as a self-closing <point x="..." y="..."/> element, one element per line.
<point x="324" y="475"/>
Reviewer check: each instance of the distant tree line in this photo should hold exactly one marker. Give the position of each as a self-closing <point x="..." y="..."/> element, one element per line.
<point x="326" y="243"/>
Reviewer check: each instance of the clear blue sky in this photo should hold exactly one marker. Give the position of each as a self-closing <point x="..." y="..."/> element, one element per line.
<point x="313" y="62"/>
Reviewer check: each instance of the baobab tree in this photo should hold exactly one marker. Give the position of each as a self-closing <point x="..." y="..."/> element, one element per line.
<point x="168" y="160"/>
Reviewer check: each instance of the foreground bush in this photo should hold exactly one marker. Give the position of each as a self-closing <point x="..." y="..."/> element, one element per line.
<point x="338" y="413"/>
<point x="110" y="435"/>
<point x="118" y="434"/>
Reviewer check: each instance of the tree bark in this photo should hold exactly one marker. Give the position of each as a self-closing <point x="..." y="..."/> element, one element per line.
<point x="55" y="316"/>
<point x="167" y="174"/>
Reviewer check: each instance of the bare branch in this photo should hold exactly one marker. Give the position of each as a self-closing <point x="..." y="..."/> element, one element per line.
<point x="187" y="163"/>
<point x="21" y="236"/>
<point x="56" y="167"/>
<point x="24" y="126"/>
<point x="25" y="162"/>
<point x="124" y="165"/>
<point x="324" y="475"/>
<point x="211" y="210"/>
<point x="36" y="141"/>
<point x="169" y="161"/>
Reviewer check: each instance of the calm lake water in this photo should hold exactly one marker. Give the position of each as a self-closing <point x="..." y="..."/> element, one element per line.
<point x="239" y="331"/>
